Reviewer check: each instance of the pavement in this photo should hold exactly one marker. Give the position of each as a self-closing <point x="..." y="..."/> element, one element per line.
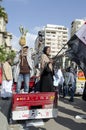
<point x="66" y="120"/>
<point x="70" y="117"/>
<point x="3" y="122"/>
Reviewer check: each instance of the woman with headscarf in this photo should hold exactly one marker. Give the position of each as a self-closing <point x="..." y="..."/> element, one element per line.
<point x="46" y="79"/>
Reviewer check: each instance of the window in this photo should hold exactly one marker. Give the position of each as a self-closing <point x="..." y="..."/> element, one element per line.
<point x="48" y="43"/>
<point x="60" y="28"/>
<point x="53" y="32"/>
<point x="48" y="39"/>
<point x="64" y="32"/>
<point x="64" y="29"/>
<point x="47" y="32"/>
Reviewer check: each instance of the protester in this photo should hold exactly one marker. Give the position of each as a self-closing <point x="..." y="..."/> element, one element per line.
<point x="24" y="68"/>
<point x="37" y="82"/>
<point x="58" y="79"/>
<point x="7" y="79"/>
<point x="71" y="83"/>
<point x="55" y="78"/>
<point x="46" y="79"/>
<point x="65" y="85"/>
<point x="14" y="72"/>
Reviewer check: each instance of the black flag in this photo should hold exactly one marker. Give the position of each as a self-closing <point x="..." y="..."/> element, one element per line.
<point x="77" y="50"/>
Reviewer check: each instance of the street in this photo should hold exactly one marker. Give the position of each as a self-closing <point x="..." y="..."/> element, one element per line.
<point x="66" y="117"/>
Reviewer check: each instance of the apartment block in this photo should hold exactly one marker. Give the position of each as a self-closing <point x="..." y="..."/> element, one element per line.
<point x="75" y="25"/>
<point x="55" y="36"/>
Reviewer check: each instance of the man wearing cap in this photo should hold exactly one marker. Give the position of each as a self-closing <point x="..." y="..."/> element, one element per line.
<point x="24" y="68"/>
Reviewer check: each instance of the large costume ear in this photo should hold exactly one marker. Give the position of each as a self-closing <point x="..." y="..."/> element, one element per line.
<point x="23" y="32"/>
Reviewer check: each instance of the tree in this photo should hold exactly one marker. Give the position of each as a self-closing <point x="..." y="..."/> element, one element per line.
<point x="3" y="14"/>
<point x="4" y="54"/>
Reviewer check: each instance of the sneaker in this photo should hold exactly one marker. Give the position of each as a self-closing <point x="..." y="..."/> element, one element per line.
<point x="25" y="92"/>
<point x="37" y="91"/>
<point x="71" y="100"/>
<point x="5" y="98"/>
<point x="32" y="92"/>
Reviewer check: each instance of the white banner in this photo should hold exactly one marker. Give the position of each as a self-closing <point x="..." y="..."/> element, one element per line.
<point x="81" y="33"/>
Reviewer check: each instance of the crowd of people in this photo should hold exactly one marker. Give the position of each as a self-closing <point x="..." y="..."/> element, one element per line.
<point x="49" y="77"/>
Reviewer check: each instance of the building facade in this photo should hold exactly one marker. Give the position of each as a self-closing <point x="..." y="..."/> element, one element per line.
<point x="55" y="36"/>
<point x="75" y="25"/>
<point x="5" y="37"/>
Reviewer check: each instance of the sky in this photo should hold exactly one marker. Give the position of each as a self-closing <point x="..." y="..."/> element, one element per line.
<point x="34" y="14"/>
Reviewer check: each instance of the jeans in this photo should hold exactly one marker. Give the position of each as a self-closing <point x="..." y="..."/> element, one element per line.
<point x="65" y="90"/>
<point x="26" y="79"/>
<point x="72" y="91"/>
